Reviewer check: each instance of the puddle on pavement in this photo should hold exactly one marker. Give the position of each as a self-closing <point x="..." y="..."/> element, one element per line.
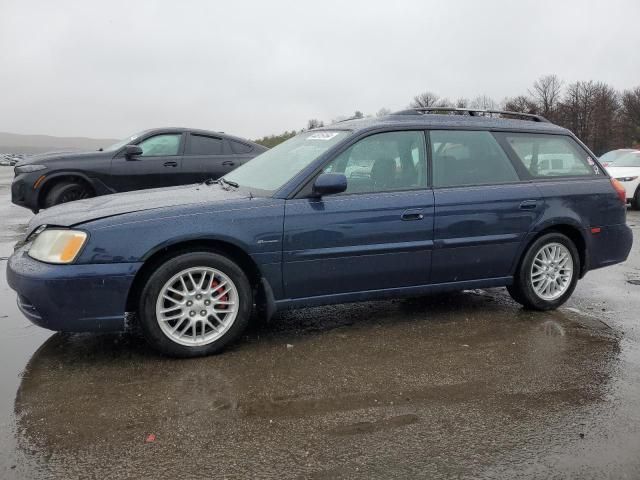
<point x="355" y="373"/>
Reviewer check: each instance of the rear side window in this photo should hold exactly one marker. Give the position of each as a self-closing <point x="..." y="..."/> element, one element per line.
<point x="203" y="145"/>
<point x="550" y="155"/>
<point x="239" y="147"/>
<point x="469" y="158"/>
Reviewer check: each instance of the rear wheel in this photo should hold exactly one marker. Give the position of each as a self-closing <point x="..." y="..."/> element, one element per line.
<point x="195" y="304"/>
<point x="548" y="273"/>
<point x="635" y="201"/>
<point x="66" y="192"/>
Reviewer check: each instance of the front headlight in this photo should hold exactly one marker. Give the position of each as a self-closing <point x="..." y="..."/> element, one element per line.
<point x="626" y="179"/>
<point x="57" y="246"/>
<point x="28" y="168"/>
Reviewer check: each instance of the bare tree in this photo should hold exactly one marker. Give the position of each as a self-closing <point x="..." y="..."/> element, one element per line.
<point x="521" y="103"/>
<point x="426" y="100"/>
<point x="383" y="112"/>
<point x="630" y="118"/>
<point x="358" y="114"/>
<point x="314" y="123"/>
<point x="547" y="92"/>
<point x="461" y="102"/>
<point x="590" y="110"/>
<point x="605" y="127"/>
<point x="484" y="102"/>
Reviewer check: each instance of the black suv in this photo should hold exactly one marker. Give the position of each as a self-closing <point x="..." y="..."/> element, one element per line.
<point x="154" y="158"/>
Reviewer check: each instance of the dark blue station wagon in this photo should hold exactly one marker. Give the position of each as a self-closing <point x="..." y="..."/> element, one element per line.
<point x="404" y="205"/>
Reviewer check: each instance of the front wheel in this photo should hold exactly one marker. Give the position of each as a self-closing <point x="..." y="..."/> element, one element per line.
<point x="547" y="274"/>
<point x="195" y="304"/>
<point x="66" y="192"/>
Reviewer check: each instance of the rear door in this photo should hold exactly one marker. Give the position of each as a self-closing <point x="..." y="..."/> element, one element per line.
<point x="205" y="157"/>
<point x="376" y="235"/>
<point x="483" y="210"/>
<point x="575" y="191"/>
<point x="158" y="166"/>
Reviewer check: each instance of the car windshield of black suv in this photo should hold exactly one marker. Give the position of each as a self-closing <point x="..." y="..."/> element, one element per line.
<point x="271" y="170"/>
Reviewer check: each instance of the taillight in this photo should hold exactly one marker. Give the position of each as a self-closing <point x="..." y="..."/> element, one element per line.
<point x="620" y="190"/>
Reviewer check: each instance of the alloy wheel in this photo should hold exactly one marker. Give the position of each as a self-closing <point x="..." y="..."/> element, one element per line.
<point x="197" y="306"/>
<point x="551" y="271"/>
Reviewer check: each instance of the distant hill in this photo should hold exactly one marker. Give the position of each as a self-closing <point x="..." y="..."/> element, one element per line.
<point x="29" y="144"/>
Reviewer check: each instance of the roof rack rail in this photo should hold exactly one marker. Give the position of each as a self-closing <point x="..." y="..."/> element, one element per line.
<point x="473" y="112"/>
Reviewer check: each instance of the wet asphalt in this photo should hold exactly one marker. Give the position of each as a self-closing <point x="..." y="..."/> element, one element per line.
<point x="465" y="385"/>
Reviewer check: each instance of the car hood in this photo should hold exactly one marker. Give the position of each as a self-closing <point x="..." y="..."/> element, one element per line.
<point x="618" y="172"/>
<point x="45" y="158"/>
<point x="81" y="211"/>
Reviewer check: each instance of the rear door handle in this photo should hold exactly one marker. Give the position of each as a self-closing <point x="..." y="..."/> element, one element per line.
<point x="529" y="205"/>
<point x="412" y="215"/>
<point x="171" y="164"/>
<point x="228" y="163"/>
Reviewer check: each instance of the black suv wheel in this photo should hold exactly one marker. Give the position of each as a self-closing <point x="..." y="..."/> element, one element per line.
<point x="65" y="192"/>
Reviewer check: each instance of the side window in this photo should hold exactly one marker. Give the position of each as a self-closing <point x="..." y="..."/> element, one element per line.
<point x="239" y="147"/>
<point x="383" y="162"/>
<point x="550" y="155"/>
<point x="203" y="145"/>
<point x="161" y="145"/>
<point x="468" y="158"/>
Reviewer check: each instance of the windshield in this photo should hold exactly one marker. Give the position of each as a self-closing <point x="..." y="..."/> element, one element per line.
<point x="629" y="159"/>
<point x="122" y="143"/>
<point x="272" y="169"/>
<point x="614" y="155"/>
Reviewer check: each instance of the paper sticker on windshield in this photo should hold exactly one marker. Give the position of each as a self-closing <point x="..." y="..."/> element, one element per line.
<point x="322" y="136"/>
<point x="591" y="162"/>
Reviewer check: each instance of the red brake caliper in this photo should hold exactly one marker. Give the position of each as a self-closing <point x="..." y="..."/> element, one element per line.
<point x="224" y="298"/>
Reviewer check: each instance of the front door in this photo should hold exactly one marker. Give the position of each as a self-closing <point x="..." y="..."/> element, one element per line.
<point x="483" y="211"/>
<point x="158" y="166"/>
<point x="376" y="235"/>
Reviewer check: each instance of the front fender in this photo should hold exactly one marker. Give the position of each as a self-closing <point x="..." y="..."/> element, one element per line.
<point x="98" y="187"/>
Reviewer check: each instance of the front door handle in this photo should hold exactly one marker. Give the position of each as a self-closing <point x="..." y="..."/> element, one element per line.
<point x="529" y="205"/>
<point x="412" y="215"/>
<point x="170" y="164"/>
<point x="228" y="163"/>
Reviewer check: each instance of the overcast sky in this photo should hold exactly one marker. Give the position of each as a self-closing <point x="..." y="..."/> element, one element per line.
<point x="110" y="68"/>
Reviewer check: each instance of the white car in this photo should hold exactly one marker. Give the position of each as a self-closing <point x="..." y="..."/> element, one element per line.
<point x="624" y="166"/>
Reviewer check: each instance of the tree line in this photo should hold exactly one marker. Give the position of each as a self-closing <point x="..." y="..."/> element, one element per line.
<point x="601" y="116"/>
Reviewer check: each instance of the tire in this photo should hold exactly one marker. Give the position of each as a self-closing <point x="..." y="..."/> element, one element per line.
<point x="635" y="201"/>
<point x="530" y="279"/>
<point x="199" y="328"/>
<point x="66" y="192"/>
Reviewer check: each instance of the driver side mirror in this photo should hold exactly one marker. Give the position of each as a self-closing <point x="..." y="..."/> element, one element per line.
<point x="131" y="151"/>
<point x="329" y="184"/>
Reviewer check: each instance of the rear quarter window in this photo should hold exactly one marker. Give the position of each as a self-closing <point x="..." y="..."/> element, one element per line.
<point x="240" y="148"/>
<point x="550" y="155"/>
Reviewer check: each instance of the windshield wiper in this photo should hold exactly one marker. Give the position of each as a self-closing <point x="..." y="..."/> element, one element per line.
<point x="229" y="182"/>
<point x="221" y="181"/>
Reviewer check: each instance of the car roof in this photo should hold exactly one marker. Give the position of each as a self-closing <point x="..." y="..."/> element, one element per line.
<point x="427" y="121"/>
